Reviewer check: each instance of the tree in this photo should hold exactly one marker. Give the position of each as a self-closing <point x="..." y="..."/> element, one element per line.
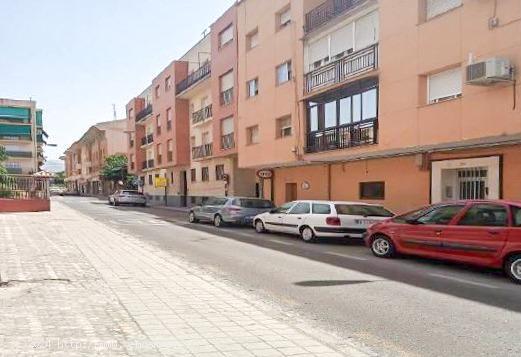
<point x="59" y="178"/>
<point x="3" y="157"/>
<point x="115" y="168"/>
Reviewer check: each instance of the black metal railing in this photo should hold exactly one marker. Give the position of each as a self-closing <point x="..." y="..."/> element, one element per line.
<point x="327" y="11"/>
<point x="226" y="97"/>
<point x="194" y="77"/>
<point x="343" y="69"/>
<point x="227" y="141"/>
<point x="19" y="153"/>
<point x="343" y="137"/>
<point x="199" y="152"/>
<point x="24" y="187"/>
<point x="148" y="139"/>
<point x="144" y="113"/>
<point x="202" y="114"/>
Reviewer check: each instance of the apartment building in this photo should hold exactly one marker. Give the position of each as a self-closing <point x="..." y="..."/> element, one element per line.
<point x="22" y="135"/>
<point x="403" y="113"/>
<point x="85" y="158"/>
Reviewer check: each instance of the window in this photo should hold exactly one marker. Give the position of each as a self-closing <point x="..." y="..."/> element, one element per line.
<point x="170" y="148"/>
<point x="330" y="115"/>
<point x="219" y="172"/>
<point x="445" y="85"/>
<point x="321" y="208"/>
<point x="284" y="17"/>
<point x="193" y="175"/>
<point x="150" y="181"/>
<point x="516" y="215"/>
<point x="363" y="210"/>
<point x="253" y="87"/>
<point x="284" y="73"/>
<point x="372" y="190"/>
<point x="158" y="124"/>
<point x="485" y="215"/>
<point x="440" y="215"/>
<point x="157" y="91"/>
<point x="284" y="127"/>
<point x="436" y="7"/>
<point x="313" y="116"/>
<point x="227" y="126"/>
<point x="284" y="208"/>
<point x="252" y="135"/>
<point x="205" y="174"/>
<point x="159" y="149"/>
<point x="226" y="36"/>
<point x="169" y="119"/>
<point x="300" y="208"/>
<point x="227" y="84"/>
<point x="168" y="83"/>
<point x="252" y="39"/>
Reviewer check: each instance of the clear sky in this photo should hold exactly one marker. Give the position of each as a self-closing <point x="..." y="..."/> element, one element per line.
<point x="78" y="57"/>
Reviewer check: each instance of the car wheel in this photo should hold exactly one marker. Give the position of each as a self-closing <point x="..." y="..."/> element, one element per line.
<point x="513" y="268"/>
<point x="259" y="226"/>
<point x="192" y="218"/>
<point x="382" y="247"/>
<point x="307" y="235"/>
<point x="143" y="205"/>
<point x="218" y="221"/>
<point x="116" y="203"/>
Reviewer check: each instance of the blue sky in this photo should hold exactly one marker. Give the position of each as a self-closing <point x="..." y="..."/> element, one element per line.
<point x="76" y="57"/>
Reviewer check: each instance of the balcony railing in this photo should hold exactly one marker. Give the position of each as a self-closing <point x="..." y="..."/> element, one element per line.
<point x="194" y="77"/>
<point x="24" y="187"/>
<point x="327" y="11"/>
<point x="226" y="97"/>
<point x="14" y="170"/>
<point x="202" y="114"/>
<point x="149" y="139"/>
<point x="227" y="141"/>
<point x="144" y="113"/>
<point x="199" y="152"/>
<point x="343" y="69"/>
<point x="13" y="153"/>
<point x="148" y="164"/>
<point x="343" y="137"/>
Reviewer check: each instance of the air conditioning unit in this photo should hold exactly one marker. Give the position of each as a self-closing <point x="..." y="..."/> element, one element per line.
<point x="489" y="72"/>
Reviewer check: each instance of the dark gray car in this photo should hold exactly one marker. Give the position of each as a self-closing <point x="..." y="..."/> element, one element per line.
<point x="232" y="210"/>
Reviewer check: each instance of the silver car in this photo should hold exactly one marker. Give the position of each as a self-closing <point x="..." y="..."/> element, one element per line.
<point x="232" y="210"/>
<point x="130" y="197"/>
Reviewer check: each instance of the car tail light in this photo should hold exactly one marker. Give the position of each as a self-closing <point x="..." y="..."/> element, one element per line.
<point x="333" y="221"/>
<point x="232" y="209"/>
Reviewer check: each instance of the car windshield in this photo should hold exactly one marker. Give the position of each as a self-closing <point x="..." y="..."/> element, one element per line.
<point x="253" y="203"/>
<point x="363" y="210"/>
<point x="413" y="215"/>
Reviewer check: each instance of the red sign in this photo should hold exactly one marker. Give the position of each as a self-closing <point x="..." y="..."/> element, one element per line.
<point x="265" y="174"/>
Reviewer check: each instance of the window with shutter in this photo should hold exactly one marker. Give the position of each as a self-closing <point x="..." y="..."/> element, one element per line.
<point x="342" y="41"/>
<point x="252" y="39"/>
<point x="318" y="52"/>
<point x="285" y="17"/>
<point x="227" y="126"/>
<point x="437" y="7"/>
<point x="226" y="36"/>
<point x="366" y="31"/>
<point x="444" y="85"/>
<point x="227" y="81"/>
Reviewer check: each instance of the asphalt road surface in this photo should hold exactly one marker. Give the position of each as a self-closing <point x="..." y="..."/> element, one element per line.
<point x="399" y="307"/>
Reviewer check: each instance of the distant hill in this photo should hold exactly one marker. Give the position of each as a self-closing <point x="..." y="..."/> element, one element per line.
<point x="54" y="166"/>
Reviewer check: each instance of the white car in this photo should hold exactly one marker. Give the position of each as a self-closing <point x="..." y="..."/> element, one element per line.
<point x="131" y="197"/>
<point x="312" y="219"/>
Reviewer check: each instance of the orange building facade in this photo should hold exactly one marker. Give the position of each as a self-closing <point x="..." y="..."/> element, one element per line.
<point x="403" y="113"/>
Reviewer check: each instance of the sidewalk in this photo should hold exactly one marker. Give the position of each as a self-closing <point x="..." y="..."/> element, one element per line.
<point x="73" y="287"/>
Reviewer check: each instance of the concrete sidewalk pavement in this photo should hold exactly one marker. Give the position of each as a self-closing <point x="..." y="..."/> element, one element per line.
<point x="70" y="286"/>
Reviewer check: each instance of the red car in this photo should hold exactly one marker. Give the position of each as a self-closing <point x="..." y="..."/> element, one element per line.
<point x="485" y="233"/>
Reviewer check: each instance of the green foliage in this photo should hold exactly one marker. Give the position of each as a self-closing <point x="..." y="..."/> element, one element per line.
<point x="3" y="157"/>
<point x="115" y="168"/>
<point x="59" y="178"/>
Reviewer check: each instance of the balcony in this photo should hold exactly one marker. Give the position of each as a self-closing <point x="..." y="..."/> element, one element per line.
<point x="343" y="137"/>
<point x="194" y="77"/>
<point x="144" y="113"/>
<point x="149" y="139"/>
<point x="226" y="97"/>
<point x="356" y="63"/>
<point x="25" y="154"/>
<point x="227" y="141"/>
<point x="327" y="11"/>
<point x="148" y="164"/>
<point x="198" y="152"/>
<point x="202" y="114"/>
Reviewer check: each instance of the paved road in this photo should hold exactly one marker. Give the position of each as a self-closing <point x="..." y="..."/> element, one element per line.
<point x="406" y="306"/>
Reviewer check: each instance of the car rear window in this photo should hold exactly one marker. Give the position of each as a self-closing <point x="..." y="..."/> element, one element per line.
<point x="252" y="203"/>
<point x="131" y="193"/>
<point x="363" y="210"/>
<point x="215" y="201"/>
<point x="321" y="208"/>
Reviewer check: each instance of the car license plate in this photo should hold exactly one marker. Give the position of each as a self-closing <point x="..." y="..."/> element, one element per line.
<point x="366" y="222"/>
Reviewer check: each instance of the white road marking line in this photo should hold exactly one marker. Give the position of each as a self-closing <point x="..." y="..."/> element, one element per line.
<point x="346" y="256"/>
<point x="280" y="242"/>
<point x="465" y="281"/>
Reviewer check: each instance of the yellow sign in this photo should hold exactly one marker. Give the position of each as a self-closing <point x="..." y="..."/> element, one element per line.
<point x="160" y="182"/>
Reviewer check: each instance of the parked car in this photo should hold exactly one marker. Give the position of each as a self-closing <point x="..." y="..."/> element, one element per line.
<point x="130" y="197"/>
<point x="312" y="219"/>
<point x="485" y="233"/>
<point x="232" y="210"/>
